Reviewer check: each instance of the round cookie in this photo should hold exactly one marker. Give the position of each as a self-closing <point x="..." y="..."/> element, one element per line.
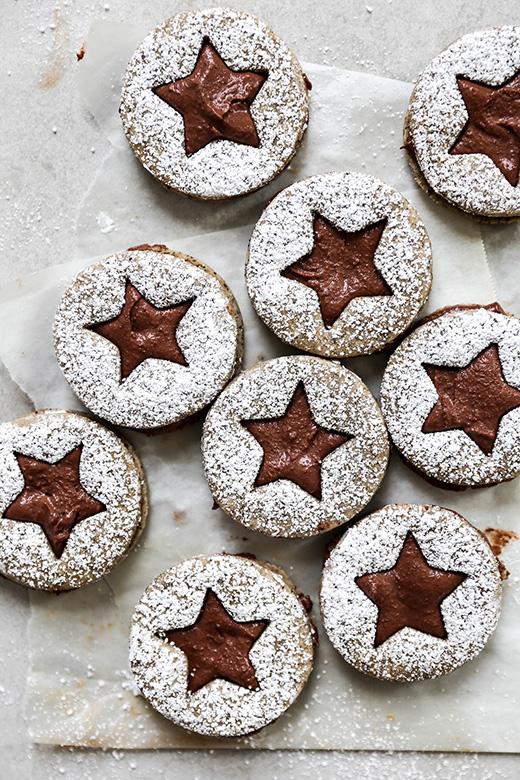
<point x="147" y="338"/>
<point x="214" y="104"/>
<point x="461" y="129"/>
<point x="294" y="446"/>
<point x="450" y="396"/>
<point x="339" y="264"/>
<point x="73" y="500"/>
<point x="221" y="644"/>
<point x="410" y="593"/>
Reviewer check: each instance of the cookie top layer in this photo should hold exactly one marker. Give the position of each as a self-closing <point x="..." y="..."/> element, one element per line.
<point x="154" y="303"/>
<point x="262" y="625"/>
<point x="437" y="612"/>
<point x="459" y="116"/>
<point x="294" y="446"/>
<point x="261" y="86"/>
<point x="339" y="264"/>
<point x="73" y="500"/>
<point x="448" y="397"/>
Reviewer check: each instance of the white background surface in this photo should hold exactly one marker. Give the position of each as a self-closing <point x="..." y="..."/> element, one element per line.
<point x="50" y="152"/>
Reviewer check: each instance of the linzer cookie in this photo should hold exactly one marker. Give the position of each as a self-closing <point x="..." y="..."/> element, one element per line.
<point x="221" y="644"/>
<point x="450" y="396"/>
<point x="410" y="593"/>
<point x="73" y="500"/>
<point x="339" y="264"/>
<point x="147" y="338"/>
<point x="462" y="130"/>
<point x="294" y="446"/>
<point x="214" y="104"/>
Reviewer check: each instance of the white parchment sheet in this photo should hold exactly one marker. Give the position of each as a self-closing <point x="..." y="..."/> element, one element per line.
<point x="80" y="690"/>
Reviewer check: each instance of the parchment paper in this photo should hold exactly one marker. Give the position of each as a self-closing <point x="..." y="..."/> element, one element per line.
<point x="79" y="690"/>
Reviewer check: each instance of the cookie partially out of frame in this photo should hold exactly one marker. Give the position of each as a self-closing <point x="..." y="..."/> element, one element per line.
<point x="339" y="264"/>
<point x="294" y="446"/>
<point x="148" y="337"/>
<point x="410" y="593"/>
<point x="214" y="104"/>
<point x="450" y="396"/>
<point x="461" y="129"/>
<point x="73" y="500"/>
<point x="221" y="644"/>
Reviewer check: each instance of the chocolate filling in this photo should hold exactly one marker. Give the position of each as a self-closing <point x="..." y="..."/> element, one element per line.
<point x="493" y="125"/>
<point x="473" y="398"/>
<point x="142" y="331"/>
<point x="409" y="594"/>
<point x="340" y="267"/>
<point x="217" y="646"/>
<point x="53" y="497"/>
<point x="214" y="101"/>
<point x="294" y="445"/>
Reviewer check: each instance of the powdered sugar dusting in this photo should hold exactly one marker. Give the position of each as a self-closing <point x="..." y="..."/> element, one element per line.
<point x="157" y="392"/>
<point x="155" y="131"/>
<point x="408" y="395"/>
<point x="350" y="475"/>
<point x="108" y="471"/>
<point x="437" y="115"/>
<point x="448" y="542"/>
<point x="248" y="590"/>
<point x="284" y="234"/>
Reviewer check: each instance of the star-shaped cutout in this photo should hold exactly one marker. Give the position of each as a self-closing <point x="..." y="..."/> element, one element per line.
<point x="53" y="497"/>
<point x="143" y="331"/>
<point x="217" y="647"/>
<point x="294" y="445"/>
<point x="214" y="102"/>
<point x="340" y="267"/>
<point x="473" y="399"/>
<point x="493" y="125"/>
<point x="410" y="594"/>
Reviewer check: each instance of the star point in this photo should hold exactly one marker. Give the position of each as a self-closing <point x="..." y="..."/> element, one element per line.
<point x="141" y="331"/>
<point x="217" y="646"/>
<point x="294" y="445"/>
<point x="53" y="497"/>
<point x="493" y="124"/>
<point x="214" y="101"/>
<point x="340" y="267"/>
<point x="410" y="594"/>
<point x="473" y="398"/>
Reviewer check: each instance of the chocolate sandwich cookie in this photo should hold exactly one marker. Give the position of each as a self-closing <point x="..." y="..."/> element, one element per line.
<point x="339" y="264"/>
<point x="462" y="129"/>
<point x="450" y="396"/>
<point x="73" y="500"/>
<point x="410" y="593"/>
<point x="221" y="644"/>
<point x="214" y="104"/>
<point x="147" y="338"/>
<point x="294" y="446"/>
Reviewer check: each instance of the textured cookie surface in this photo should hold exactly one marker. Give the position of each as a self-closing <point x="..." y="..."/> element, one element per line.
<point x="252" y="597"/>
<point x="339" y="264"/>
<point x="458" y="377"/>
<point x="450" y="586"/>
<point x="157" y="132"/>
<point x="455" y="122"/>
<point x="294" y="446"/>
<point x="67" y="474"/>
<point x="148" y="392"/>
